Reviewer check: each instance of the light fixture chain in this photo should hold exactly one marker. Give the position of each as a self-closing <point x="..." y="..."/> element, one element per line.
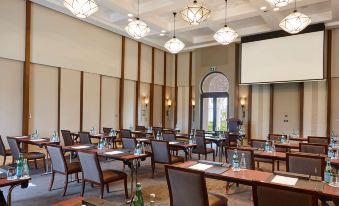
<point x="174" y="21"/>
<point x="138" y="8"/>
<point x="295" y="5"/>
<point x="225" y="12"/>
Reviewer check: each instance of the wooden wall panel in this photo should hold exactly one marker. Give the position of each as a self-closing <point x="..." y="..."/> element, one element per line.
<point x="91" y="101"/>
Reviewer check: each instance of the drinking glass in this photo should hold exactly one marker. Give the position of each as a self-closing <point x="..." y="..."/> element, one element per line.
<point x="11" y="174"/>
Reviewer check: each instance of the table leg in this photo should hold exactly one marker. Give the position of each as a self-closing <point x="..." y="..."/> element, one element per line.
<point x="186" y="153"/>
<point x="2" y="198"/>
<point x="220" y="152"/>
<point x="9" y="195"/>
<point x="47" y="165"/>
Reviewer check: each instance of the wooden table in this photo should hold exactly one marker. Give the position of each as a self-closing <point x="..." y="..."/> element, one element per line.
<point x="12" y="184"/>
<point x="289" y="145"/>
<point x="78" y="201"/>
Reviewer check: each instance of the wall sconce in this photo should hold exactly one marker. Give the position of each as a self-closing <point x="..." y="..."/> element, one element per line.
<point x="169" y="104"/>
<point x="146" y="101"/>
<point x="193" y="107"/>
<point x="144" y="109"/>
<point x="242" y="103"/>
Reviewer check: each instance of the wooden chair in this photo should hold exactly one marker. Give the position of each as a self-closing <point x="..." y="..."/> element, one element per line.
<point x="3" y="151"/>
<point x="201" y="148"/>
<point x="13" y="145"/>
<point x="268" y="194"/>
<point x="276" y="137"/>
<point x="161" y="154"/>
<point x="170" y="136"/>
<point x="125" y="133"/>
<point x="66" y="135"/>
<point x="201" y="132"/>
<point x="107" y="130"/>
<point x="92" y="172"/>
<point x="260" y="144"/>
<point x="140" y="128"/>
<point x="60" y="166"/>
<point x="128" y="143"/>
<point x="188" y="187"/>
<point x="156" y="130"/>
<point x="85" y="138"/>
<point x="313" y="148"/>
<point x="318" y="140"/>
<point x="308" y="164"/>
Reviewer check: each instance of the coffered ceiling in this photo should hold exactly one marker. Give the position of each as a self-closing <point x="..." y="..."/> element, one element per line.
<point x="245" y="16"/>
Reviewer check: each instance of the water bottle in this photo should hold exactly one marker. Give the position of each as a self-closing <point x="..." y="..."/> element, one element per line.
<point x="138" y="199"/>
<point x="243" y="162"/>
<point x="267" y="146"/>
<point x="282" y="139"/>
<point x="158" y="135"/>
<point x="328" y="172"/>
<point x="19" y="165"/>
<point x="143" y="151"/>
<point x="330" y="152"/>
<point x="137" y="149"/>
<point x="273" y="146"/>
<point x="25" y="171"/>
<point x="152" y="200"/>
<point x="235" y="161"/>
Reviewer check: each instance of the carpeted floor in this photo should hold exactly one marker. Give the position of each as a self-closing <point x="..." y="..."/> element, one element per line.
<point x="38" y="195"/>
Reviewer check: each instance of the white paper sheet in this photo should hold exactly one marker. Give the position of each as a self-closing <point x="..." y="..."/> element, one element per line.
<point x="200" y="167"/>
<point x="173" y="142"/>
<point x="142" y="139"/>
<point x="81" y="147"/>
<point x="113" y="152"/>
<point x="21" y="137"/>
<point x="37" y="140"/>
<point x="284" y="180"/>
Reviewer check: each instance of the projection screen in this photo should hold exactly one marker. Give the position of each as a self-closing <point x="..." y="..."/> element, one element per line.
<point x="284" y="59"/>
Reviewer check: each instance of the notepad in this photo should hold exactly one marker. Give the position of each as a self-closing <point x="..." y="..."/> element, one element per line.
<point x="81" y="147"/>
<point x="290" y="181"/>
<point x="173" y="142"/>
<point x="113" y="152"/>
<point x="21" y="137"/>
<point x="200" y="167"/>
<point x="37" y="140"/>
<point x="142" y="139"/>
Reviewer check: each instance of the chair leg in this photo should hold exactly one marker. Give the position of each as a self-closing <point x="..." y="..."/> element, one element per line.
<point x="107" y="188"/>
<point x="77" y="177"/>
<point x="102" y="191"/>
<point x="272" y="166"/>
<point x="228" y="187"/>
<point x="65" y="185"/>
<point x="35" y="164"/>
<point x="153" y="169"/>
<point x="83" y="188"/>
<point x="278" y="166"/>
<point x="206" y="156"/>
<point x="213" y="156"/>
<point x="257" y="164"/>
<point x="4" y="162"/>
<point x="126" y="189"/>
<point x="199" y="156"/>
<point x="52" y="181"/>
<point x="44" y="164"/>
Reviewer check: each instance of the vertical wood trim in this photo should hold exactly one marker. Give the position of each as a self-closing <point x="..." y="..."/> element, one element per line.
<point x="81" y="100"/>
<point x="59" y="98"/>
<point x="249" y="115"/>
<point x="329" y="82"/>
<point x="137" y="88"/>
<point x="164" y="92"/>
<point x="151" y="98"/>
<point x="27" y="71"/>
<point x="190" y="94"/>
<point x="122" y="84"/>
<point x="301" y="109"/>
<point x="176" y="90"/>
<point x="237" y="81"/>
<point x="271" y="108"/>
<point x="100" y="104"/>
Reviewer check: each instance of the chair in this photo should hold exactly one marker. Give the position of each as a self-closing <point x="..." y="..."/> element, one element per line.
<point x="201" y="132"/>
<point x="313" y="148"/>
<point x="140" y="128"/>
<point x="3" y="151"/>
<point x="60" y="166"/>
<point x="13" y="145"/>
<point x="267" y="194"/>
<point x="161" y="154"/>
<point x="106" y="130"/>
<point x="307" y="164"/>
<point x="233" y="124"/>
<point x="318" y="140"/>
<point x="276" y="137"/>
<point x="168" y="136"/>
<point x="156" y="130"/>
<point x="125" y="133"/>
<point x="128" y="143"/>
<point x="66" y="135"/>
<point x="260" y="144"/>
<point x="201" y="148"/>
<point x="92" y="172"/>
<point x="188" y="187"/>
<point x="84" y="138"/>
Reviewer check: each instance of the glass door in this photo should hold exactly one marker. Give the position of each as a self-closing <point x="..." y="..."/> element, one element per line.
<point x="222" y="113"/>
<point x="208" y="111"/>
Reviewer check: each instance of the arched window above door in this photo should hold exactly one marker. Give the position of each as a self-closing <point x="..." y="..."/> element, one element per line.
<point x="215" y="82"/>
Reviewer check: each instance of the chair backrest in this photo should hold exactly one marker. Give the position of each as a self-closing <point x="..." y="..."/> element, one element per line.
<point x="276" y="137"/>
<point x="128" y="143"/>
<point x="201" y="144"/>
<point x="186" y="187"/>
<point x="233" y="124"/>
<point x="249" y="156"/>
<point x="318" y="140"/>
<point x="168" y="136"/>
<point x="258" y="143"/>
<point x="57" y="158"/>
<point x="13" y="145"/>
<point x="125" y="133"/>
<point x="313" y="148"/>
<point x="66" y="135"/>
<point x="307" y="164"/>
<point x="160" y="151"/>
<point x="91" y="169"/>
<point x="2" y="147"/>
<point x="106" y="130"/>
<point x="266" y="194"/>
<point x="200" y="132"/>
<point x="156" y="130"/>
<point x="140" y="128"/>
<point x="84" y="138"/>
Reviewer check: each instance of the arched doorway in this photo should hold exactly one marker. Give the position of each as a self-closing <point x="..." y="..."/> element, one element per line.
<point x="214" y="102"/>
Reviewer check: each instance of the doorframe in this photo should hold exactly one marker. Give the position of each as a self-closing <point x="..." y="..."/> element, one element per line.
<point x="213" y="95"/>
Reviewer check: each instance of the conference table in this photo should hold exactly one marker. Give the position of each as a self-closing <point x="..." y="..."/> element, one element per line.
<point x="4" y="182"/>
<point x="251" y="177"/>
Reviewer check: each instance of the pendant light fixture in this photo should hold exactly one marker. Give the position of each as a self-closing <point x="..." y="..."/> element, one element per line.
<point x="137" y="28"/>
<point x="225" y="35"/>
<point x="81" y="8"/>
<point x="174" y="45"/>
<point x="295" y="22"/>
<point x="195" y="13"/>
<point x="278" y="3"/>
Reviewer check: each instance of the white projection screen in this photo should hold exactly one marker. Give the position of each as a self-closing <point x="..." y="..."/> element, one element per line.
<point x="284" y="59"/>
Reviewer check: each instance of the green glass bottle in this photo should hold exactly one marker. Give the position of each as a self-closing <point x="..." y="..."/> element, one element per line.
<point x="138" y="200"/>
<point x="328" y="172"/>
<point x="19" y="165"/>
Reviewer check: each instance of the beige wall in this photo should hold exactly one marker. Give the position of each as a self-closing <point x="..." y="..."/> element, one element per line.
<point x="91" y="101"/>
<point x="109" y="104"/>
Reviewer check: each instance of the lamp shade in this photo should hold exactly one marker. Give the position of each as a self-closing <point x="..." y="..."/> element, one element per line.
<point x="295" y="22"/>
<point x="195" y="13"/>
<point x="225" y="35"/>
<point x="174" y="45"/>
<point x="278" y="3"/>
<point x="137" y="29"/>
<point x="81" y="8"/>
